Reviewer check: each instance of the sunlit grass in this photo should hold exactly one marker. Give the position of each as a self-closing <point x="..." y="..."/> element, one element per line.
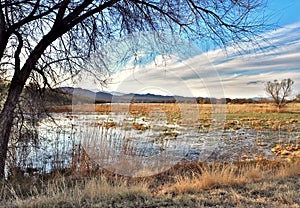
<point x="178" y="186"/>
<point x="220" y="175"/>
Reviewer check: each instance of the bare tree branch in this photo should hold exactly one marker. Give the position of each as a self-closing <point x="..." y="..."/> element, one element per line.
<point x="18" y="51"/>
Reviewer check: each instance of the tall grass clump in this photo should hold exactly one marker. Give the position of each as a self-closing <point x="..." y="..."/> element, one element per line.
<point x="221" y="174"/>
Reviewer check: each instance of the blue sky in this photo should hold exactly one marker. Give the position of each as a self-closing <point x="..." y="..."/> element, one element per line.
<point x="245" y="76"/>
<point x="285" y="12"/>
<point x="217" y="73"/>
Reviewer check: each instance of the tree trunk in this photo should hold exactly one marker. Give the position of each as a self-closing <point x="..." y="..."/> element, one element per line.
<point x="3" y="43"/>
<point x="17" y="84"/>
<point x="6" y="119"/>
<point x="3" y="34"/>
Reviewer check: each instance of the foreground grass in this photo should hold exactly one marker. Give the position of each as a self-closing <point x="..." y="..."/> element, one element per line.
<point x="259" y="184"/>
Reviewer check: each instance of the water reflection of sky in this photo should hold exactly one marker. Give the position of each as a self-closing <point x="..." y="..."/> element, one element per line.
<point x="156" y="146"/>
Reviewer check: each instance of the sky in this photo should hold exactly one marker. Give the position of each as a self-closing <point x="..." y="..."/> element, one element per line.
<point x="219" y="73"/>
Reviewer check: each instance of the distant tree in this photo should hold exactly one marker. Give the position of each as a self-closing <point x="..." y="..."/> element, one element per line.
<point x="279" y="91"/>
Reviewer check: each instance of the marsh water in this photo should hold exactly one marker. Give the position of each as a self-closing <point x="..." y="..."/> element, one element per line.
<point x="131" y="144"/>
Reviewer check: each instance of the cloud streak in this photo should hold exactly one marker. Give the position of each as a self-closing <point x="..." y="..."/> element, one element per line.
<point x="218" y="73"/>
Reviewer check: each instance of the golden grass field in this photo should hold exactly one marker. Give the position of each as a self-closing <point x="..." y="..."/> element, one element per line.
<point x="246" y="183"/>
<point x="257" y="116"/>
<point x="203" y="108"/>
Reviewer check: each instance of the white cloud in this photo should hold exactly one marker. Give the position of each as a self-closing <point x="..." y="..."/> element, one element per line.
<point x="192" y="77"/>
<point x="208" y="74"/>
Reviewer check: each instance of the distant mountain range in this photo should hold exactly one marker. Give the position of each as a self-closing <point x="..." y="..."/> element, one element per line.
<point x="84" y="95"/>
<point x="80" y="95"/>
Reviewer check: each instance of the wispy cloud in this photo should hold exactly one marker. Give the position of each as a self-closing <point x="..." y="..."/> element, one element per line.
<point x="218" y="73"/>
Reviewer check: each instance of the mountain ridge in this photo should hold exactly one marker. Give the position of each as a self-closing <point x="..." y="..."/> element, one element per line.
<point x="81" y="95"/>
<point x="102" y="97"/>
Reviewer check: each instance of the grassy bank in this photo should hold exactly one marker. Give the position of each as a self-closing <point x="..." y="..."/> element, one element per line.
<point x="242" y="184"/>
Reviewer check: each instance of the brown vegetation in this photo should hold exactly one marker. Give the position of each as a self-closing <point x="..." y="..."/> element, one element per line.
<point x="257" y="116"/>
<point x="272" y="182"/>
<point x="145" y="108"/>
<point x="252" y="182"/>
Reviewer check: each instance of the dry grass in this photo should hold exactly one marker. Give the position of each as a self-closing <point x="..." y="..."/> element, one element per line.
<point x="261" y="108"/>
<point x="256" y="114"/>
<point x="63" y="192"/>
<point x="175" y="108"/>
<point x="230" y="175"/>
<point x="192" y="185"/>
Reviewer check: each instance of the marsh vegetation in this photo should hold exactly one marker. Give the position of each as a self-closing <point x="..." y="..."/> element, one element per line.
<point x="106" y="155"/>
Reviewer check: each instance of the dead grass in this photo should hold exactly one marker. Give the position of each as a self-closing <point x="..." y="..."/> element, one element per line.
<point x="220" y="175"/>
<point x="192" y="185"/>
<point x="257" y="116"/>
<point x="63" y="192"/>
<point x="145" y="108"/>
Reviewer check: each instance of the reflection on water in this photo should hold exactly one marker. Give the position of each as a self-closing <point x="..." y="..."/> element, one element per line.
<point x="136" y="146"/>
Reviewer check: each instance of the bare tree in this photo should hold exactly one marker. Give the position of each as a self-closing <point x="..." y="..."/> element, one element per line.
<point x="42" y="38"/>
<point x="279" y="91"/>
